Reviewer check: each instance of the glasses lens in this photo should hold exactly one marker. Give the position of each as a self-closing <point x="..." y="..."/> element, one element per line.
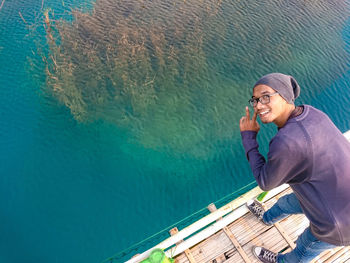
<point x="251" y="102"/>
<point x="265" y="99"/>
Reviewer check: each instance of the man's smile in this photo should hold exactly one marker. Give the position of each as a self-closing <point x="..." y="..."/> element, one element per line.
<point x="263" y="113"/>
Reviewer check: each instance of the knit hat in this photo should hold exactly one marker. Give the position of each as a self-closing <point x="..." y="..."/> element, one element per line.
<point x="285" y="85"/>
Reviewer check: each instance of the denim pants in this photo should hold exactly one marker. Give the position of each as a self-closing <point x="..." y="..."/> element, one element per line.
<point x="307" y="245"/>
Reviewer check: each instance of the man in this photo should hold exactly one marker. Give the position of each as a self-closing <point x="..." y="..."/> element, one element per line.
<point x="311" y="155"/>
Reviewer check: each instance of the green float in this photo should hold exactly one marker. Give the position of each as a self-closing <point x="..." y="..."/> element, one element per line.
<point x="158" y="256"/>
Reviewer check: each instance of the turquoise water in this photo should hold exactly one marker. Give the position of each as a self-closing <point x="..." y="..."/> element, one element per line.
<point x="80" y="190"/>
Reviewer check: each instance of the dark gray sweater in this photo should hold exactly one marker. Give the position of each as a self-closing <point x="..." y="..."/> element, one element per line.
<point x="311" y="155"/>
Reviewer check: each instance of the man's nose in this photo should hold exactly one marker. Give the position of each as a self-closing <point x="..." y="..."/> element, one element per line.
<point x="259" y="105"/>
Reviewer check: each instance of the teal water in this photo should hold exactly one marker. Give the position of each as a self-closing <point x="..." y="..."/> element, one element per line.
<point x="81" y="185"/>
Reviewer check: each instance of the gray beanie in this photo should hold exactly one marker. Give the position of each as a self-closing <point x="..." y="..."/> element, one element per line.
<point x="285" y="85"/>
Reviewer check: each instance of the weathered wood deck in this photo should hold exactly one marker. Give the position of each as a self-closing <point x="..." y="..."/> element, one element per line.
<point x="233" y="243"/>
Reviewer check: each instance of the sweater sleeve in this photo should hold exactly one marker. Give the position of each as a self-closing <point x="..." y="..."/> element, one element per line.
<point x="285" y="162"/>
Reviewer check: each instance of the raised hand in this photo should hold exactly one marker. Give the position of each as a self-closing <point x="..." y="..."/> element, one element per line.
<point x="247" y="124"/>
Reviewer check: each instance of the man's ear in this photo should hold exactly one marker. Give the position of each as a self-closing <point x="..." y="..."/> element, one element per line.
<point x="295" y="86"/>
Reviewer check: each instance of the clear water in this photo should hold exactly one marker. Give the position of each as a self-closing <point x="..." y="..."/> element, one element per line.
<point x="80" y="190"/>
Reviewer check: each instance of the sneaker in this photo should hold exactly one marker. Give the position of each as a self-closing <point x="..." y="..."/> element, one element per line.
<point x="257" y="209"/>
<point x="264" y="255"/>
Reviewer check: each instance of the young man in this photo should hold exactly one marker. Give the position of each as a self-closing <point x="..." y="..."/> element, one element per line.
<point x="311" y="155"/>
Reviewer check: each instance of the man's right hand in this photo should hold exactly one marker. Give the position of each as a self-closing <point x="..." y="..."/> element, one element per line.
<point x="247" y="124"/>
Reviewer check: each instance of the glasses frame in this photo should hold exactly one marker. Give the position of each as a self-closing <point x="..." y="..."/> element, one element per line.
<point x="254" y="101"/>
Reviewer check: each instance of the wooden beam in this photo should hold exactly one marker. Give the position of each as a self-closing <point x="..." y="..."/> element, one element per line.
<point x="326" y="254"/>
<point x="336" y="255"/>
<point x="236" y="244"/>
<point x="285" y="235"/>
<point x="188" y="254"/>
<point x="212" y="208"/>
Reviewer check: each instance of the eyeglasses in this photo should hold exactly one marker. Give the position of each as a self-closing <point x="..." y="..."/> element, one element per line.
<point x="264" y="99"/>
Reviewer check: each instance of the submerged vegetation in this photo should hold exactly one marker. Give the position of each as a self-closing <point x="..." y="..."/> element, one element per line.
<point x="175" y="74"/>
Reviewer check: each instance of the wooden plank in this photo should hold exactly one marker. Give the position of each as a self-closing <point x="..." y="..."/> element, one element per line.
<point x="336" y="255"/>
<point x="189" y="256"/>
<point x="247" y="228"/>
<point x="285" y="235"/>
<point x="326" y="254"/>
<point x="182" y="258"/>
<point x="187" y="252"/>
<point x="270" y="239"/>
<point x="212" y="247"/>
<point x="222" y="258"/>
<point x="237" y="245"/>
<point x="212" y="208"/>
<point x="344" y="258"/>
<point x="295" y="225"/>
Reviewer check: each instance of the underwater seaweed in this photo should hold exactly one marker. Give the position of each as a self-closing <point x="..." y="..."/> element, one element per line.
<point x="176" y="73"/>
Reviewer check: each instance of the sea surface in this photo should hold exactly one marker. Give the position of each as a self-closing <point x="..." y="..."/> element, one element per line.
<point x="119" y="119"/>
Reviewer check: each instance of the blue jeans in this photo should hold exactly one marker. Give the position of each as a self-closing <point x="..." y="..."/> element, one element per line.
<point x="307" y="245"/>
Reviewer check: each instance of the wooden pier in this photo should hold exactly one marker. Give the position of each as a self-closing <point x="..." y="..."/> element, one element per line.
<point x="228" y="234"/>
<point x="233" y="244"/>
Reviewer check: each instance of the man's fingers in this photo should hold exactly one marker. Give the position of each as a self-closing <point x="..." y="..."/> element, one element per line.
<point x="247" y="112"/>
<point x="255" y="115"/>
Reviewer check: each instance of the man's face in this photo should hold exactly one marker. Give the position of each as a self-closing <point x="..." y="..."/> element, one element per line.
<point x="272" y="111"/>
